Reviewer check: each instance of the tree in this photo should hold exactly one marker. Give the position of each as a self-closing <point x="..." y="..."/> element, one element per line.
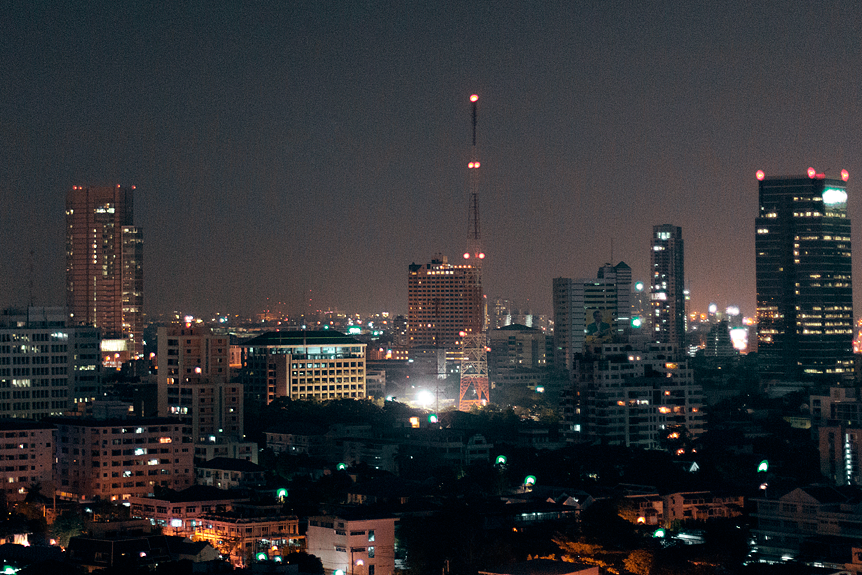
<point x="639" y="562"/>
<point x="307" y="562"/>
<point x="65" y="527"/>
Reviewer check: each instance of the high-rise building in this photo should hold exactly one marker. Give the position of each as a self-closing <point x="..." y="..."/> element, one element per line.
<point x="443" y="300"/>
<point x="578" y="304"/>
<point x="804" y="287"/>
<point x="194" y="382"/>
<point x="667" y="285"/>
<point x="104" y="277"/>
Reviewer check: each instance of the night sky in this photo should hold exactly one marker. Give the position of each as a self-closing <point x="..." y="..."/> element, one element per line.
<point x="288" y="150"/>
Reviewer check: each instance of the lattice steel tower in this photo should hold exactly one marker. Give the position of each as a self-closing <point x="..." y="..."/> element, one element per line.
<point x="474" y="358"/>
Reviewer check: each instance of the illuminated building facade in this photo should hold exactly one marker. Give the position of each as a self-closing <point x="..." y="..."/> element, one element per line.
<point x="104" y="273"/>
<point x="322" y="364"/>
<point x="443" y="300"/>
<point x="46" y="367"/>
<point x="667" y="287"/>
<point x="115" y="459"/>
<point x="353" y="543"/>
<point x="194" y="382"/>
<point x="804" y="286"/>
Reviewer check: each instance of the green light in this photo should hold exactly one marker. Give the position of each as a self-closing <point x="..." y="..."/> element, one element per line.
<point x="281" y="493"/>
<point x="261" y="556"/>
<point x="639" y="286"/>
<point x="763" y="466"/>
<point x="326" y="327"/>
<point x="341" y="466"/>
<point x="659" y="533"/>
<point x="530" y="480"/>
<point x="432" y="418"/>
<point x="501" y="460"/>
<point x="637" y="322"/>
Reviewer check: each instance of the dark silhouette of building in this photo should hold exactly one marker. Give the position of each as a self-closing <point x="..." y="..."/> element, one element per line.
<point x="667" y="285"/>
<point x="804" y="287"/>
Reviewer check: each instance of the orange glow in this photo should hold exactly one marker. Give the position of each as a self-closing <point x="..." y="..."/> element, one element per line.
<point x="474" y="97"/>
<point x="641" y="519"/>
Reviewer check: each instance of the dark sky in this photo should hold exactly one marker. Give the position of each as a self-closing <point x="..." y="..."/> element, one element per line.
<point x="282" y="149"/>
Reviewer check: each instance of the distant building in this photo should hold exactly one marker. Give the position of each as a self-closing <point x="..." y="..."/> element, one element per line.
<point x="303" y="365"/>
<point x="115" y="459"/>
<point x="667" y="285"/>
<point x="46" y="367"/>
<point x="603" y="302"/>
<point x="718" y="342"/>
<point x="180" y="509"/>
<point x="194" y="382"/>
<point x="804" y="283"/>
<point x="104" y="266"/>
<point x="226" y="473"/>
<point x="353" y="543"/>
<point x="841" y="454"/>
<point x="443" y="300"/>
<point x="240" y="536"/>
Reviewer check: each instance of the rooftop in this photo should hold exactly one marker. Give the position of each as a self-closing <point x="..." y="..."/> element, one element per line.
<point x="301" y="338"/>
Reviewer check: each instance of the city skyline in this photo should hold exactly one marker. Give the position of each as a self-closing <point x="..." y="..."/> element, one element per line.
<point x="314" y="151"/>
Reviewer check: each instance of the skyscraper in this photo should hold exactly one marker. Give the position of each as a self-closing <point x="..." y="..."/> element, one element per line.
<point x="443" y="300"/>
<point x="667" y="285"/>
<point x="804" y="287"/>
<point x="104" y="277"/>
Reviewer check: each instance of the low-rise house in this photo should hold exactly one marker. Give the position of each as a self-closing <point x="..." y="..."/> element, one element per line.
<point x="355" y="543"/>
<point x="180" y="509"/>
<point x="227" y="473"/>
<point x="699" y="506"/>
<point x="239" y="536"/>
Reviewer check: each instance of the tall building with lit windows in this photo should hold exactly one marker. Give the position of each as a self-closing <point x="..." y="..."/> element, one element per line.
<point x="443" y="300"/>
<point x="104" y="274"/>
<point x="667" y="285"/>
<point x="804" y="286"/>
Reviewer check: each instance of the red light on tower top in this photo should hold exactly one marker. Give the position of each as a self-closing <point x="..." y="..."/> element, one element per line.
<point x="474" y="97"/>
<point x="760" y="175"/>
<point x="812" y="172"/>
<point x="845" y="175"/>
<point x="466" y="255"/>
<point x="481" y="256"/>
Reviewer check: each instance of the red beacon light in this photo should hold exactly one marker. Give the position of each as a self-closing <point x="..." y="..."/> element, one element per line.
<point x="466" y="255"/>
<point x="760" y="175"/>
<point x="474" y="97"/>
<point x="845" y="175"/>
<point x="812" y="172"/>
<point x="481" y="256"/>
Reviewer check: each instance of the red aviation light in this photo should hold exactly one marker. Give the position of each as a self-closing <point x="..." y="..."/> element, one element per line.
<point x="845" y="175"/>
<point x="472" y="165"/>
<point x="760" y="175"/>
<point x="466" y="256"/>
<point x="811" y="173"/>
<point x="474" y="97"/>
<point x="481" y="256"/>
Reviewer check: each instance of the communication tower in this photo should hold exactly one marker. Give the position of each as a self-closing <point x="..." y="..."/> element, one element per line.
<point x="474" y="357"/>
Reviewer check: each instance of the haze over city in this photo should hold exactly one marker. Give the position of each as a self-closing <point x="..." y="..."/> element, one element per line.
<point x="288" y="151"/>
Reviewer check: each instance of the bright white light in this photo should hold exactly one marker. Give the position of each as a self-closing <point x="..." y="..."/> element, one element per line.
<point x="833" y="196"/>
<point x="424" y="398"/>
<point x="713" y="308"/>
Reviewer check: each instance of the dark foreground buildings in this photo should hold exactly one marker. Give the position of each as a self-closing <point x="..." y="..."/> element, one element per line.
<point x="804" y="287"/>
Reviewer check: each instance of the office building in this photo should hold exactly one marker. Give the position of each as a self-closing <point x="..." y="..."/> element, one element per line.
<point x="667" y="285"/>
<point x="115" y="459"/>
<point x="322" y="364"/>
<point x="194" y="382"/>
<point x="45" y="367"/>
<point x="443" y="300"/>
<point x="104" y="274"/>
<point x="603" y="302"/>
<point x="804" y="287"/>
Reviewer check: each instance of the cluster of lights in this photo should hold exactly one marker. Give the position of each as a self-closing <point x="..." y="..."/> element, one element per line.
<point x="480" y="255"/>
<point x="812" y="173"/>
<point x="473" y="165"/>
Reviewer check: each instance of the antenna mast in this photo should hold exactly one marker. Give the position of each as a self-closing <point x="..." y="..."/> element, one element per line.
<point x="474" y="360"/>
